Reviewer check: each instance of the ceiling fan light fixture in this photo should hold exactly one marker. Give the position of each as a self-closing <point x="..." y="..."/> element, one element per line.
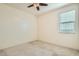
<point x="36" y="5"/>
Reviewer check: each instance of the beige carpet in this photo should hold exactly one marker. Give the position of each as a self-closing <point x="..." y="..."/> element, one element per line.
<point x="38" y="48"/>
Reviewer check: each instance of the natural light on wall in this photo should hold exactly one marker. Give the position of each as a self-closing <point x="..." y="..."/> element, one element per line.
<point x="23" y="24"/>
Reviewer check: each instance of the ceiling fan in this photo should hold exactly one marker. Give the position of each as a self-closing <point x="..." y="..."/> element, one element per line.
<point x="37" y="5"/>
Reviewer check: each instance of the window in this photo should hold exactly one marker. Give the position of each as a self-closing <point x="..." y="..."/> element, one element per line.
<point x="67" y="21"/>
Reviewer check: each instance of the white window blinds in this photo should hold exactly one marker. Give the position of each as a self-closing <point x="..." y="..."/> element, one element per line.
<point x="67" y="21"/>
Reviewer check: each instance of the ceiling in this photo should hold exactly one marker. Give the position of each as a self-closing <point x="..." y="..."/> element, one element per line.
<point x="32" y="10"/>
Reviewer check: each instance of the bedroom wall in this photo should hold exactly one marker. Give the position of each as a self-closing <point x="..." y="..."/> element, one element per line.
<point x="16" y="27"/>
<point x="49" y="31"/>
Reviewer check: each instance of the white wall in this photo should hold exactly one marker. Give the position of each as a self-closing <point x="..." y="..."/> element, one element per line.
<point x="49" y="31"/>
<point x="16" y="27"/>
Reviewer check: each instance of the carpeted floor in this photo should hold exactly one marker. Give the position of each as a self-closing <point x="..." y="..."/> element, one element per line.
<point x="38" y="48"/>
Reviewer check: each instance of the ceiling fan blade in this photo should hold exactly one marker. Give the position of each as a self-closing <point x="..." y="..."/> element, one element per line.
<point x="38" y="8"/>
<point x="30" y="6"/>
<point x="43" y="4"/>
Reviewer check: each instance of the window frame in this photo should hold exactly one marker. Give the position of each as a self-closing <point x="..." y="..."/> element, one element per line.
<point x="60" y="22"/>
